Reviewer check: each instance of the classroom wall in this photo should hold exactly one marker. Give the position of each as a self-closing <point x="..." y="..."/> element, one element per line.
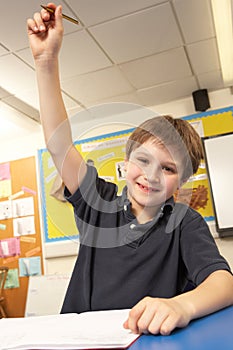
<point x="33" y="140"/>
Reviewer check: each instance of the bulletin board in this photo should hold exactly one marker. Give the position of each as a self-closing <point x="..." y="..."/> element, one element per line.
<point x="20" y="234"/>
<point x="107" y="153"/>
<point x="207" y="124"/>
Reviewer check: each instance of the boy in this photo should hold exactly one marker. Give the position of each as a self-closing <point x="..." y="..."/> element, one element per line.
<point x="140" y="249"/>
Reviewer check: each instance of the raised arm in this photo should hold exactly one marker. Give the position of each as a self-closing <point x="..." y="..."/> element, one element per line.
<point x="45" y="33"/>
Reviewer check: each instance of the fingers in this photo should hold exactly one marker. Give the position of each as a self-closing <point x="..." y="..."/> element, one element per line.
<point x="164" y="321"/>
<point x="154" y="315"/>
<point x="42" y="19"/>
<point x="160" y="314"/>
<point x="39" y="21"/>
<point x="134" y="317"/>
<point x="169" y="324"/>
<point x="58" y="17"/>
<point x="145" y="320"/>
<point x="37" y="24"/>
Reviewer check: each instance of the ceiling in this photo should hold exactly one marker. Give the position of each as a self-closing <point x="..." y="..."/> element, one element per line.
<point x="147" y="52"/>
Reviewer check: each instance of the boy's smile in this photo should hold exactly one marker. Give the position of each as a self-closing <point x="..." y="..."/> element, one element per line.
<point x="146" y="189"/>
<point x="152" y="176"/>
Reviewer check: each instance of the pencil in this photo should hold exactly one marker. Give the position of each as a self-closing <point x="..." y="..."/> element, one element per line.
<point x="64" y="16"/>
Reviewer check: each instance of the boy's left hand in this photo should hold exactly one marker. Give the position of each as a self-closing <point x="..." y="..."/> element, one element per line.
<point x="155" y="315"/>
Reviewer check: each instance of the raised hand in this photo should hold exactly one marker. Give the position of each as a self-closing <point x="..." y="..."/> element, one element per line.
<point x="45" y="33"/>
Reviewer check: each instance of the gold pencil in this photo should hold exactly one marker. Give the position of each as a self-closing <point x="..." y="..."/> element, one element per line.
<point x="64" y="16"/>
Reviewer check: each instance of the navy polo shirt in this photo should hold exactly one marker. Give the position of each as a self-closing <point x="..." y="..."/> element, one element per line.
<point x="121" y="261"/>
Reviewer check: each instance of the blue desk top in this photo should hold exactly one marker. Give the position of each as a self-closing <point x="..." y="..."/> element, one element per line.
<point x="213" y="332"/>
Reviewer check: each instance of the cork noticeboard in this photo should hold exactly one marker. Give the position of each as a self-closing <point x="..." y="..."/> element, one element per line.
<point x="20" y="234"/>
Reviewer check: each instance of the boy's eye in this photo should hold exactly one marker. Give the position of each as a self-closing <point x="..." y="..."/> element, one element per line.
<point x="169" y="169"/>
<point x="143" y="160"/>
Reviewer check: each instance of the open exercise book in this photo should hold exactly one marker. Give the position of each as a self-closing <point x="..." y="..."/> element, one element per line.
<point x="88" y="330"/>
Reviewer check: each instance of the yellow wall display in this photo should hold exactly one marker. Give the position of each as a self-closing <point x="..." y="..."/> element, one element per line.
<point x="107" y="153"/>
<point x="207" y="124"/>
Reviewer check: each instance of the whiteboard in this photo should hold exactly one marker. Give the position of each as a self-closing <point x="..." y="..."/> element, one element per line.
<point x="219" y="160"/>
<point x="46" y="294"/>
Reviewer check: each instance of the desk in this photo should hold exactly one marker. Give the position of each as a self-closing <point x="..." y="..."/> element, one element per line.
<point x="213" y="332"/>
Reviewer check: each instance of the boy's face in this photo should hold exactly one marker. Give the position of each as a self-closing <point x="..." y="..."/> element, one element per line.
<point x="152" y="175"/>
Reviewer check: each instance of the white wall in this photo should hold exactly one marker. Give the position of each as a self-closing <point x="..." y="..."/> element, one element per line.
<point x="32" y="140"/>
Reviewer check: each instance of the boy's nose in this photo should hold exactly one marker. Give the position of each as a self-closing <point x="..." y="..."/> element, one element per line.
<point x="153" y="174"/>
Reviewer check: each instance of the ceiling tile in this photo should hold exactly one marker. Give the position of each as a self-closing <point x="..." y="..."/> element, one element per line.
<point x="69" y="102"/>
<point x="195" y="19"/>
<point x="12" y="67"/>
<point x="13" y="123"/>
<point x="72" y="111"/>
<point x="22" y="107"/>
<point x="18" y="16"/>
<point x="26" y="56"/>
<point x="167" y="92"/>
<point x="126" y="98"/>
<point x="30" y="96"/>
<point x="153" y="70"/>
<point x="91" y="14"/>
<point x="140" y="34"/>
<point x="3" y="51"/>
<point x="4" y="93"/>
<point x="204" y="56"/>
<point x="77" y="53"/>
<point x="211" y="80"/>
<point x="95" y="86"/>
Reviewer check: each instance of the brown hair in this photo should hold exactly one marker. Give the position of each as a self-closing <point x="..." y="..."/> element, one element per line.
<point x="171" y="132"/>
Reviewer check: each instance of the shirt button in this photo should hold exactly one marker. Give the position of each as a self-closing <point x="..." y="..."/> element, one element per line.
<point x="132" y="226"/>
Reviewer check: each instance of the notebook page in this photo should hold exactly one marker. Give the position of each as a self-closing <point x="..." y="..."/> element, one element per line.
<point x="90" y="330"/>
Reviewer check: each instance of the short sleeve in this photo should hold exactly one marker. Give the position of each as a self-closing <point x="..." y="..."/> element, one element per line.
<point x="199" y="251"/>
